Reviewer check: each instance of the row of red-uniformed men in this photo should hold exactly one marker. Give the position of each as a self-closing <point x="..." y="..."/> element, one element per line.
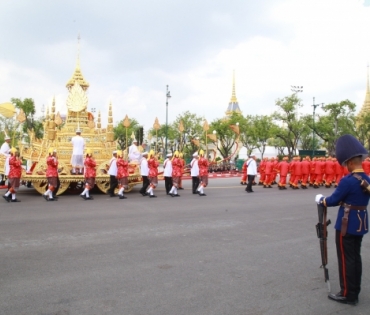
<point x="316" y="172"/>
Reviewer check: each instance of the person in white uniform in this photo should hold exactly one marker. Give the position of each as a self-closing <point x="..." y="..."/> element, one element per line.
<point x="5" y="151"/>
<point x="112" y="171"/>
<point x="133" y="152"/>
<point x="194" y="172"/>
<point x="144" y="171"/>
<point x="77" y="159"/>
<point x="167" y="173"/>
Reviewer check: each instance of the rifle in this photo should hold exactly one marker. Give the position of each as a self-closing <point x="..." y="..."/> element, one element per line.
<point x="322" y="234"/>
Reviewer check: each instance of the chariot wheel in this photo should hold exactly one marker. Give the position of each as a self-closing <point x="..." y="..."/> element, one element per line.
<point x="40" y="183"/>
<point x="102" y="169"/>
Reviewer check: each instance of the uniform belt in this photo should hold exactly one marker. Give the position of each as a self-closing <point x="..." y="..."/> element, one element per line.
<point x="347" y="208"/>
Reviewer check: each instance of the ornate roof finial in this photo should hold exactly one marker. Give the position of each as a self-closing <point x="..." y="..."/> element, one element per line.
<point x="233" y="104"/>
<point x="77" y="75"/>
<point x="233" y="94"/>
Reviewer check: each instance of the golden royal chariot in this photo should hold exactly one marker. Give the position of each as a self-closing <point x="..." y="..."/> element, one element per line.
<point x="58" y="135"/>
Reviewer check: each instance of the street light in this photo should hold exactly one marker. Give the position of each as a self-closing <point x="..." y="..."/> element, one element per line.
<point x="296" y="89"/>
<point x="168" y="95"/>
<point x="313" y="125"/>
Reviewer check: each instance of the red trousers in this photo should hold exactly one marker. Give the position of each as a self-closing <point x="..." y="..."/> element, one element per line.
<point x="329" y="178"/>
<point x="304" y="179"/>
<point x="282" y="181"/>
<point x="318" y="179"/>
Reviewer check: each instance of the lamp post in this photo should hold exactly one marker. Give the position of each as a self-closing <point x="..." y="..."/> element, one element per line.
<point x="313" y="125"/>
<point x="296" y="89"/>
<point x="168" y="95"/>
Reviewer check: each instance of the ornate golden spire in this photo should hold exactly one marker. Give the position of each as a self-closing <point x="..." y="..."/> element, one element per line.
<point x="77" y="75"/>
<point x="233" y="104"/>
<point x="110" y="134"/>
<point x="233" y="94"/>
<point x="366" y="106"/>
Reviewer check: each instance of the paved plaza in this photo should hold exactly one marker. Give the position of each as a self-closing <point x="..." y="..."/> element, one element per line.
<point x="229" y="253"/>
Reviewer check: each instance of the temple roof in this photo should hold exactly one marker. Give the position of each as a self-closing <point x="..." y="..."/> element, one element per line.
<point x="233" y="104"/>
<point x="366" y="105"/>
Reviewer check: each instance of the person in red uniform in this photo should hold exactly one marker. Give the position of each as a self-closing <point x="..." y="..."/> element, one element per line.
<point x="297" y="172"/>
<point x="262" y="168"/>
<point x="338" y="172"/>
<point x="312" y="173"/>
<point x="275" y="163"/>
<point x="243" y="181"/>
<point x="122" y="173"/>
<point x="51" y="174"/>
<point x="176" y="174"/>
<point x="14" y="177"/>
<point x="291" y="171"/>
<point x="329" y="172"/>
<point x="89" y="174"/>
<point x="318" y="173"/>
<point x="203" y="173"/>
<point x="181" y="158"/>
<point x="366" y="166"/>
<point x="305" y="166"/>
<point x="153" y="173"/>
<point x="283" y="169"/>
<point x="268" y="174"/>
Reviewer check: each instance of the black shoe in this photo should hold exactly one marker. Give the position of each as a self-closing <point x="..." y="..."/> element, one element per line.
<point x="342" y="299"/>
<point x="195" y="193"/>
<point x="180" y="188"/>
<point x="202" y="195"/>
<point x="15" y="200"/>
<point x="248" y="191"/>
<point x="45" y="197"/>
<point x="51" y="199"/>
<point x="175" y="195"/>
<point x="152" y="196"/>
<point x="55" y="197"/>
<point x="144" y="194"/>
<point x="89" y="198"/>
<point x="7" y="198"/>
<point x="122" y="197"/>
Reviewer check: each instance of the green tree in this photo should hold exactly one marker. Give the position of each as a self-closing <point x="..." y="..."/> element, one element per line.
<point x="225" y="136"/>
<point x="28" y="106"/>
<point x="291" y="126"/>
<point x="248" y="134"/>
<point x="338" y="120"/>
<point x="264" y="129"/>
<point x="120" y="132"/>
<point x="192" y="124"/>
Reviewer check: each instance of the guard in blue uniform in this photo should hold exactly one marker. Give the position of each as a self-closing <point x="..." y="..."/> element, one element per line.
<point x="352" y="220"/>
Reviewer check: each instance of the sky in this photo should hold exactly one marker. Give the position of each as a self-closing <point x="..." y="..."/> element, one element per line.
<point x="131" y="50"/>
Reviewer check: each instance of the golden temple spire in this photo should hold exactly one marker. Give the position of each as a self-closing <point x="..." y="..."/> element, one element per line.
<point x="233" y="104"/>
<point x="366" y="106"/>
<point x="77" y="75"/>
<point x="233" y="94"/>
<point x="99" y="123"/>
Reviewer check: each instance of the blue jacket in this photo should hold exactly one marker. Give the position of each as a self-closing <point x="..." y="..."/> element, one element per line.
<point x="350" y="192"/>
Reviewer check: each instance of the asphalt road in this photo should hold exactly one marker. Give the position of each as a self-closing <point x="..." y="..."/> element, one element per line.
<point x="227" y="253"/>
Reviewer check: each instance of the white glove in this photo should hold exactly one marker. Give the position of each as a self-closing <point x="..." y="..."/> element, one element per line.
<point x="318" y="197"/>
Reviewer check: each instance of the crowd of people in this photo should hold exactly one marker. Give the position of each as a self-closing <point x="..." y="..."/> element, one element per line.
<point x="301" y="172"/>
